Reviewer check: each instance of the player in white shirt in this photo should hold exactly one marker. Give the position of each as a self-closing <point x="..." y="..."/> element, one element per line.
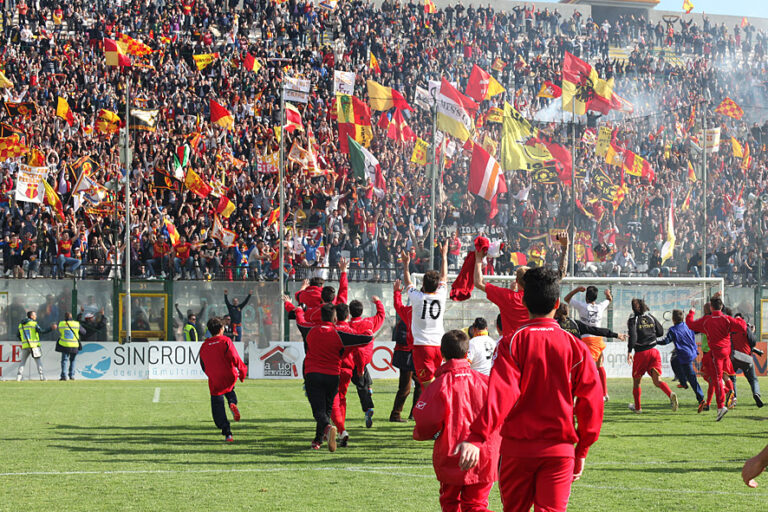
<point x="481" y="347"/>
<point x="591" y="313"/>
<point x="428" y="305"/>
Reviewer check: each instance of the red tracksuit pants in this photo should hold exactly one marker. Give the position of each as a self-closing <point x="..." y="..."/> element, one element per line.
<point x="465" y="498"/>
<point x="541" y="482"/>
<point x="339" y="411"/>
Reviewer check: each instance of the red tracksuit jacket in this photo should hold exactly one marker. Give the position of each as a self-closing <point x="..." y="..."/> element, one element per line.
<point x="718" y="328"/>
<point x="310" y="297"/>
<point x="447" y="409"/>
<point x="370" y="325"/>
<point x="222" y="364"/>
<point x="326" y="348"/>
<point x="537" y="374"/>
<point x="404" y="312"/>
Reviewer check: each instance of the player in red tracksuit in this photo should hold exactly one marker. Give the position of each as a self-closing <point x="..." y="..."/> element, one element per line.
<point x="718" y="328"/>
<point x="363" y="355"/>
<point x="538" y="375"/>
<point x="326" y="345"/>
<point x="402" y="359"/>
<point x="223" y="366"/>
<point x="313" y="295"/>
<point x="444" y="413"/>
<point x="339" y="410"/>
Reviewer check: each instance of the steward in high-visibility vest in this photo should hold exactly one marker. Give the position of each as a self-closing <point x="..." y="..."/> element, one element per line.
<point x="69" y="344"/>
<point x="190" y="330"/>
<point x="29" y="334"/>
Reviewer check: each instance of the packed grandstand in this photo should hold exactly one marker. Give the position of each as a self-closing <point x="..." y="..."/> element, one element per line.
<point x="206" y="83"/>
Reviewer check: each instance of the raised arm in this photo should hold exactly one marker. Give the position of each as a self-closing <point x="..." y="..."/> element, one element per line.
<point x="479" y="281"/>
<point x="406" y="258"/>
<point x="573" y="292"/>
<point x="444" y="261"/>
<point x="564" y="240"/>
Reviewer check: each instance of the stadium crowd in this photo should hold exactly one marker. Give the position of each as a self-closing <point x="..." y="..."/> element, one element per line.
<point x="54" y="49"/>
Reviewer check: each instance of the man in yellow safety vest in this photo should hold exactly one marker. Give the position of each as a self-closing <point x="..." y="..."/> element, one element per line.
<point x="69" y="344"/>
<point x="29" y="334"/>
<point x="190" y="329"/>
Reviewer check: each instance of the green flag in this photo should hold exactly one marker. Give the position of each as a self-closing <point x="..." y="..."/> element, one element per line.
<point x="365" y="166"/>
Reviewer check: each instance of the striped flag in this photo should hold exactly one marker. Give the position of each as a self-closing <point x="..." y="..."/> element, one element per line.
<point x="373" y="63"/>
<point x="221" y="116"/>
<point x="691" y="173"/>
<point x="486" y="178"/>
<point x="63" y="111"/>
<point x="251" y="64"/>
<point x="453" y="112"/>
<point x="173" y="235"/>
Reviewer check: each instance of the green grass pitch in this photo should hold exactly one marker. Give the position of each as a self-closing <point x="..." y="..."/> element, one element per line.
<point x="96" y="446"/>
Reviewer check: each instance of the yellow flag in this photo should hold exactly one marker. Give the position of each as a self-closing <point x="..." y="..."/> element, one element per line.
<point x="738" y="150"/>
<point x="603" y="141"/>
<point x="4" y="82"/>
<point x="490" y="145"/>
<point x="419" y="155"/>
<point x="204" y="60"/>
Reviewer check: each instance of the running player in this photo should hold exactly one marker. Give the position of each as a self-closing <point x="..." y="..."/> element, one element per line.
<point x="362" y="356"/>
<point x="643" y="329"/>
<point x="510" y="301"/>
<point x="540" y="388"/>
<point x="718" y="327"/>
<point x="591" y="313"/>
<point x="579" y="328"/>
<point x="402" y="359"/>
<point x="427" y="317"/>
<point x="685" y="344"/>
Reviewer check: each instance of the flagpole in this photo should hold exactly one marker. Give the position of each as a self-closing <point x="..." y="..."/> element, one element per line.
<point x="281" y="216"/>
<point x="433" y="167"/>
<point x="128" y="163"/>
<point x="572" y="264"/>
<point x="704" y="180"/>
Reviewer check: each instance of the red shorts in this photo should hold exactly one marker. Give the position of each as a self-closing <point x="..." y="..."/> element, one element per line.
<point x="542" y="482"/>
<point x="646" y="361"/>
<point x="426" y="360"/>
<point x="469" y="498"/>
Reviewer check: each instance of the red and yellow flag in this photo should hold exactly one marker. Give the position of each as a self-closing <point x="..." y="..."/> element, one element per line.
<point x="482" y="85"/>
<point x="11" y="147"/>
<point x="63" y="111"/>
<point x="225" y="207"/>
<point x="354" y="118"/>
<point x="115" y="53"/>
<point x="35" y="158"/>
<point x="52" y="199"/>
<point x="273" y="216"/>
<point x="583" y="89"/>
<point x="373" y="63"/>
<point x="107" y="122"/>
<point x="173" y="235"/>
<point x="132" y="46"/>
<point x="383" y="98"/>
<point x="429" y="7"/>
<point x="687" y="6"/>
<point x="730" y="108"/>
<point x="251" y="64"/>
<point x="196" y="184"/>
<point x="221" y="116"/>
<point x="550" y="90"/>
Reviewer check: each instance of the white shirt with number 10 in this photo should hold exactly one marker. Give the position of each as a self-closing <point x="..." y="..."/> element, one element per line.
<point x="427" y="315"/>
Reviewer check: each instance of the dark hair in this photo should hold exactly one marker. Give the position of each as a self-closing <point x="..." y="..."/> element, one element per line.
<point x="355" y="309"/>
<point x="454" y="344"/>
<point x="728" y="311"/>
<point x="498" y="322"/>
<point x="541" y="291"/>
<point x="342" y="312"/>
<point x="677" y="316"/>
<point x="591" y="294"/>
<point x="190" y="315"/>
<point x="328" y="312"/>
<point x="562" y="311"/>
<point x="317" y="281"/>
<point x="215" y="325"/>
<point x="716" y="303"/>
<point x="738" y="315"/>
<point x="29" y="314"/>
<point x="328" y="294"/>
<point x="638" y="306"/>
<point x="480" y="324"/>
<point x="67" y="316"/>
<point x="431" y="281"/>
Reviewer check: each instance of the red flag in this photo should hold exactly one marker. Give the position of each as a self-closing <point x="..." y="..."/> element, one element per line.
<point x="486" y="179"/>
<point x="482" y="85"/>
<point x="398" y="130"/>
<point x="550" y="90"/>
<point x="221" y="116"/>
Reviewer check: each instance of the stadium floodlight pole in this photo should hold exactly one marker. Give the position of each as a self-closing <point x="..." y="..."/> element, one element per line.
<point x="281" y="215"/>
<point x="704" y="183"/>
<point x="433" y="167"/>
<point x="128" y="162"/>
<point x="572" y="263"/>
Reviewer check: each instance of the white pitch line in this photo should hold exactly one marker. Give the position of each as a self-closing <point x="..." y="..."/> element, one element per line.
<point x="666" y="490"/>
<point x="156" y="398"/>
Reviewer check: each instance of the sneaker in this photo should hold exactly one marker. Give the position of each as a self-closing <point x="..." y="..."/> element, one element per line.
<point x="18" y="378"/>
<point x="343" y="439"/>
<point x="235" y="411"/>
<point x="632" y="408"/>
<point x="229" y="439"/>
<point x="369" y="418"/>
<point x="682" y="386"/>
<point x="673" y="401"/>
<point x="721" y="412"/>
<point x="706" y="408"/>
<point x="702" y="405"/>
<point x="315" y="445"/>
<point x="331" y="433"/>
<point x="62" y="378"/>
<point x="733" y="403"/>
<point x="729" y="396"/>
<point x="758" y="401"/>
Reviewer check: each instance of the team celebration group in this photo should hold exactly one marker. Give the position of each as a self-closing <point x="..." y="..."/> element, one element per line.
<point x="522" y="410"/>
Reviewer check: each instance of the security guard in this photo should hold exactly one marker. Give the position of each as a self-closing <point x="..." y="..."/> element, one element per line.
<point x="69" y="344"/>
<point x="190" y="329"/>
<point x="29" y="334"/>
